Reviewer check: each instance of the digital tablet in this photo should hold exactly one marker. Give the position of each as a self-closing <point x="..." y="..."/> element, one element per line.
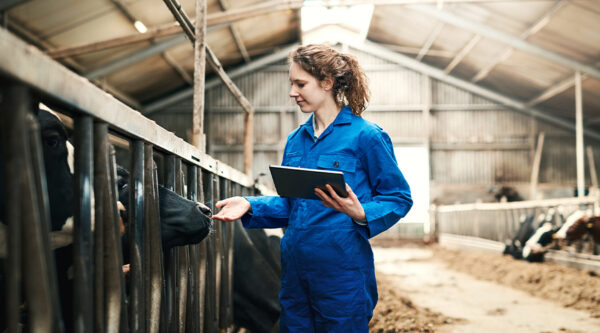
<point x="300" y="182"/>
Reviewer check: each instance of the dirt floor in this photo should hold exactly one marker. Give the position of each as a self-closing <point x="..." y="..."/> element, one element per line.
<point x="432" y="289"/>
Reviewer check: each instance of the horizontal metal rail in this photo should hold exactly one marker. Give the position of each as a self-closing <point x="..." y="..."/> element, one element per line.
<point x="575" y="260"/>
<point x="516" y="204"/>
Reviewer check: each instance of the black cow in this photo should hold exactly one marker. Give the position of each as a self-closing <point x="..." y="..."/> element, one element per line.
<point x="514" y="246"/>
<point x="182" y="221"/>
<point x="256" y="279"/>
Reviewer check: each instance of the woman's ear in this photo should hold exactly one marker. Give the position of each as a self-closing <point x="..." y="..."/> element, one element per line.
<point x="327" y="83"/>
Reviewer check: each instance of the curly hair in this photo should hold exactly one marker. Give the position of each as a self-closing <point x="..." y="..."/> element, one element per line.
<point x="349" y="81"/>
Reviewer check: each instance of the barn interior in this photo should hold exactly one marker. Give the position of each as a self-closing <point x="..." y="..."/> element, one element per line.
<point x="485" y="101"/>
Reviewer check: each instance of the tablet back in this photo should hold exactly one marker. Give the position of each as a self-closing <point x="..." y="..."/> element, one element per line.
<point x="300" y="182"/>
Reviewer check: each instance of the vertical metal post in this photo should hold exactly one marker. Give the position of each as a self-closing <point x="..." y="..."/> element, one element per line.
<point x="182" y="260"/>
<point x="137" y="193"/>
<point x="218" y="245"/>
<point x="100" y="181"/>
<point x="198" y="137"/>
<point x="13" y="102"/>
<point x="226" y="234"/>
<point x="579" y="136"/>
<point x="82" y="226"/>
<point x="210" y="306"/>
<point x="115" y="249"/>
<point x="105" y="200"/>
<point x="29" y="239"/>
<point x="192" y="306"/>
<point x="39" y="174"/>
<point x="202" y="253"/>
<point x="169" y="257"/>
<point x="156" y="318"/>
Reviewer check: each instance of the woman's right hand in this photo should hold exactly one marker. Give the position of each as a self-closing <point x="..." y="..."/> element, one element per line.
<point x="233" y="209"/>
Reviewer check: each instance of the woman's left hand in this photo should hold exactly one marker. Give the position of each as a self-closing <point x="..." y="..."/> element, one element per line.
<point x="349" y="206"/>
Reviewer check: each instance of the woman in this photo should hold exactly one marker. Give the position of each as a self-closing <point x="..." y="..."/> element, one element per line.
<point x="328" y="278"/>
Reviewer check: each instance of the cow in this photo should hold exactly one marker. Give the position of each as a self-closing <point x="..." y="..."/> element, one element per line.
<point x="506" y="194"/>
<point x="514" y="246"/>
<point x="577" y="227"/>
<point x="542" y="239"/>
<point x="256" y="279"/>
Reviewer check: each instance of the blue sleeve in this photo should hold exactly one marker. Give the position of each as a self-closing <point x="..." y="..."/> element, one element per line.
<point x="267" y="212"/>
<point x="391" y="198"/>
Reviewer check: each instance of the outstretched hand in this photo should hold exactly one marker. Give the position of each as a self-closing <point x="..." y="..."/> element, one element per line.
<point x="349" y="205"/>
<point x="233" y="209"/>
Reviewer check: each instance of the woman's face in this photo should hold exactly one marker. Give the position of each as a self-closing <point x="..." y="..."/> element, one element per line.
<point x="307" y="91"/>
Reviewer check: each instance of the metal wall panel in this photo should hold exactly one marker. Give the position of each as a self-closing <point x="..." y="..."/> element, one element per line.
<point x="480" y="126"/>
<point x="473" y="141"/>
<point x="479" y="166"/>
<point x="398" y="124"/>
<point x="397" y="87"/>
<point x="443" y="93"/>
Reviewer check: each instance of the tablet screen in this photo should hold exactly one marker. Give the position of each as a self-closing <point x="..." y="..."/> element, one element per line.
<point x="300" y="182"/>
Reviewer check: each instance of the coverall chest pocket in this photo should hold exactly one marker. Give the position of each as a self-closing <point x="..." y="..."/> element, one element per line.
<point x="292" y="159"/>
<point x="339" y="162"/>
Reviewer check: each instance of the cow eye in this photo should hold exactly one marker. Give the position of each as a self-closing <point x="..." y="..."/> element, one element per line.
<point x="52" y="141"/>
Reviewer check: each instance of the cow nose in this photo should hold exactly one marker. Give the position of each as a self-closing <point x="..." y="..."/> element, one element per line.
<point x="203" y="209"/>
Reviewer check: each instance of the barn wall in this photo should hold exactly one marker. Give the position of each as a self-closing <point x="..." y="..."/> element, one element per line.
<point x="475" y="145"/>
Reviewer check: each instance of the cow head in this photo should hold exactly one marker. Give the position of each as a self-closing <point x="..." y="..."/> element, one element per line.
<point x="59" y="178"/>
<point x="182" y="221"/>
<point x="582" y="226"/>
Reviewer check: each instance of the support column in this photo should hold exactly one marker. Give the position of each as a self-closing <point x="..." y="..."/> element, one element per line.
<point x="579" y="136"/>
<point x="198" y="136"/>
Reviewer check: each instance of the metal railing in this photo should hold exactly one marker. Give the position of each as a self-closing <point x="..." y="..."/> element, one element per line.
<point x="498" y="221"/>
<point x="187" y="289"/>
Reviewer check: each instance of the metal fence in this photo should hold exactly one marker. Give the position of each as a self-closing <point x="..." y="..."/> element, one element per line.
<point x="498" y="221"/>
<point x="188" y="289"/>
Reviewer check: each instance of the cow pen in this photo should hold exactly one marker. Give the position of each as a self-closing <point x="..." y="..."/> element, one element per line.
<point x="188" y="289"/>
<point x="487" y="226"/>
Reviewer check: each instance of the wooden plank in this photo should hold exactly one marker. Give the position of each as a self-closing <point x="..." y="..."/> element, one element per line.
<point x="535" y="167"/>
<point x="198" y="136"/>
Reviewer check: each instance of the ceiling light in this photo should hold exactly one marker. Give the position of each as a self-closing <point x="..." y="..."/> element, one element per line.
<point x="140" y="26"/>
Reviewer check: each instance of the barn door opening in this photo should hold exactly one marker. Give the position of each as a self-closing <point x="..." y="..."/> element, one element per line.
<point x="414" y="164"/>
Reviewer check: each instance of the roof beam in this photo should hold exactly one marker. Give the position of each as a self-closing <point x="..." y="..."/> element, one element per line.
<point x="537" y="26"/>
<point x="22" y="30"/>
<point x="182" y="73"/>
<point x="511" y="40"/>
<point x="212" y="20"/>
<point x="438" y="74"/>
<point x="134" y="57"/>
<point x="554" y="90"/>
<point x="462" y="54"/>
<point x="188" y="92"/>
<point x="595" y="120"/>
<point x="235" y="33"/>
<point x="430" y="39"/>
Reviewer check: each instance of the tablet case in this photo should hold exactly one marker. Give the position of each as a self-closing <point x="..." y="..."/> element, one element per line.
<point x="301" y="182"/>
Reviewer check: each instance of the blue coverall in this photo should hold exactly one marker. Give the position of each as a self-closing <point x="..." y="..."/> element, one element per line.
<point x="328" y="277"/>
